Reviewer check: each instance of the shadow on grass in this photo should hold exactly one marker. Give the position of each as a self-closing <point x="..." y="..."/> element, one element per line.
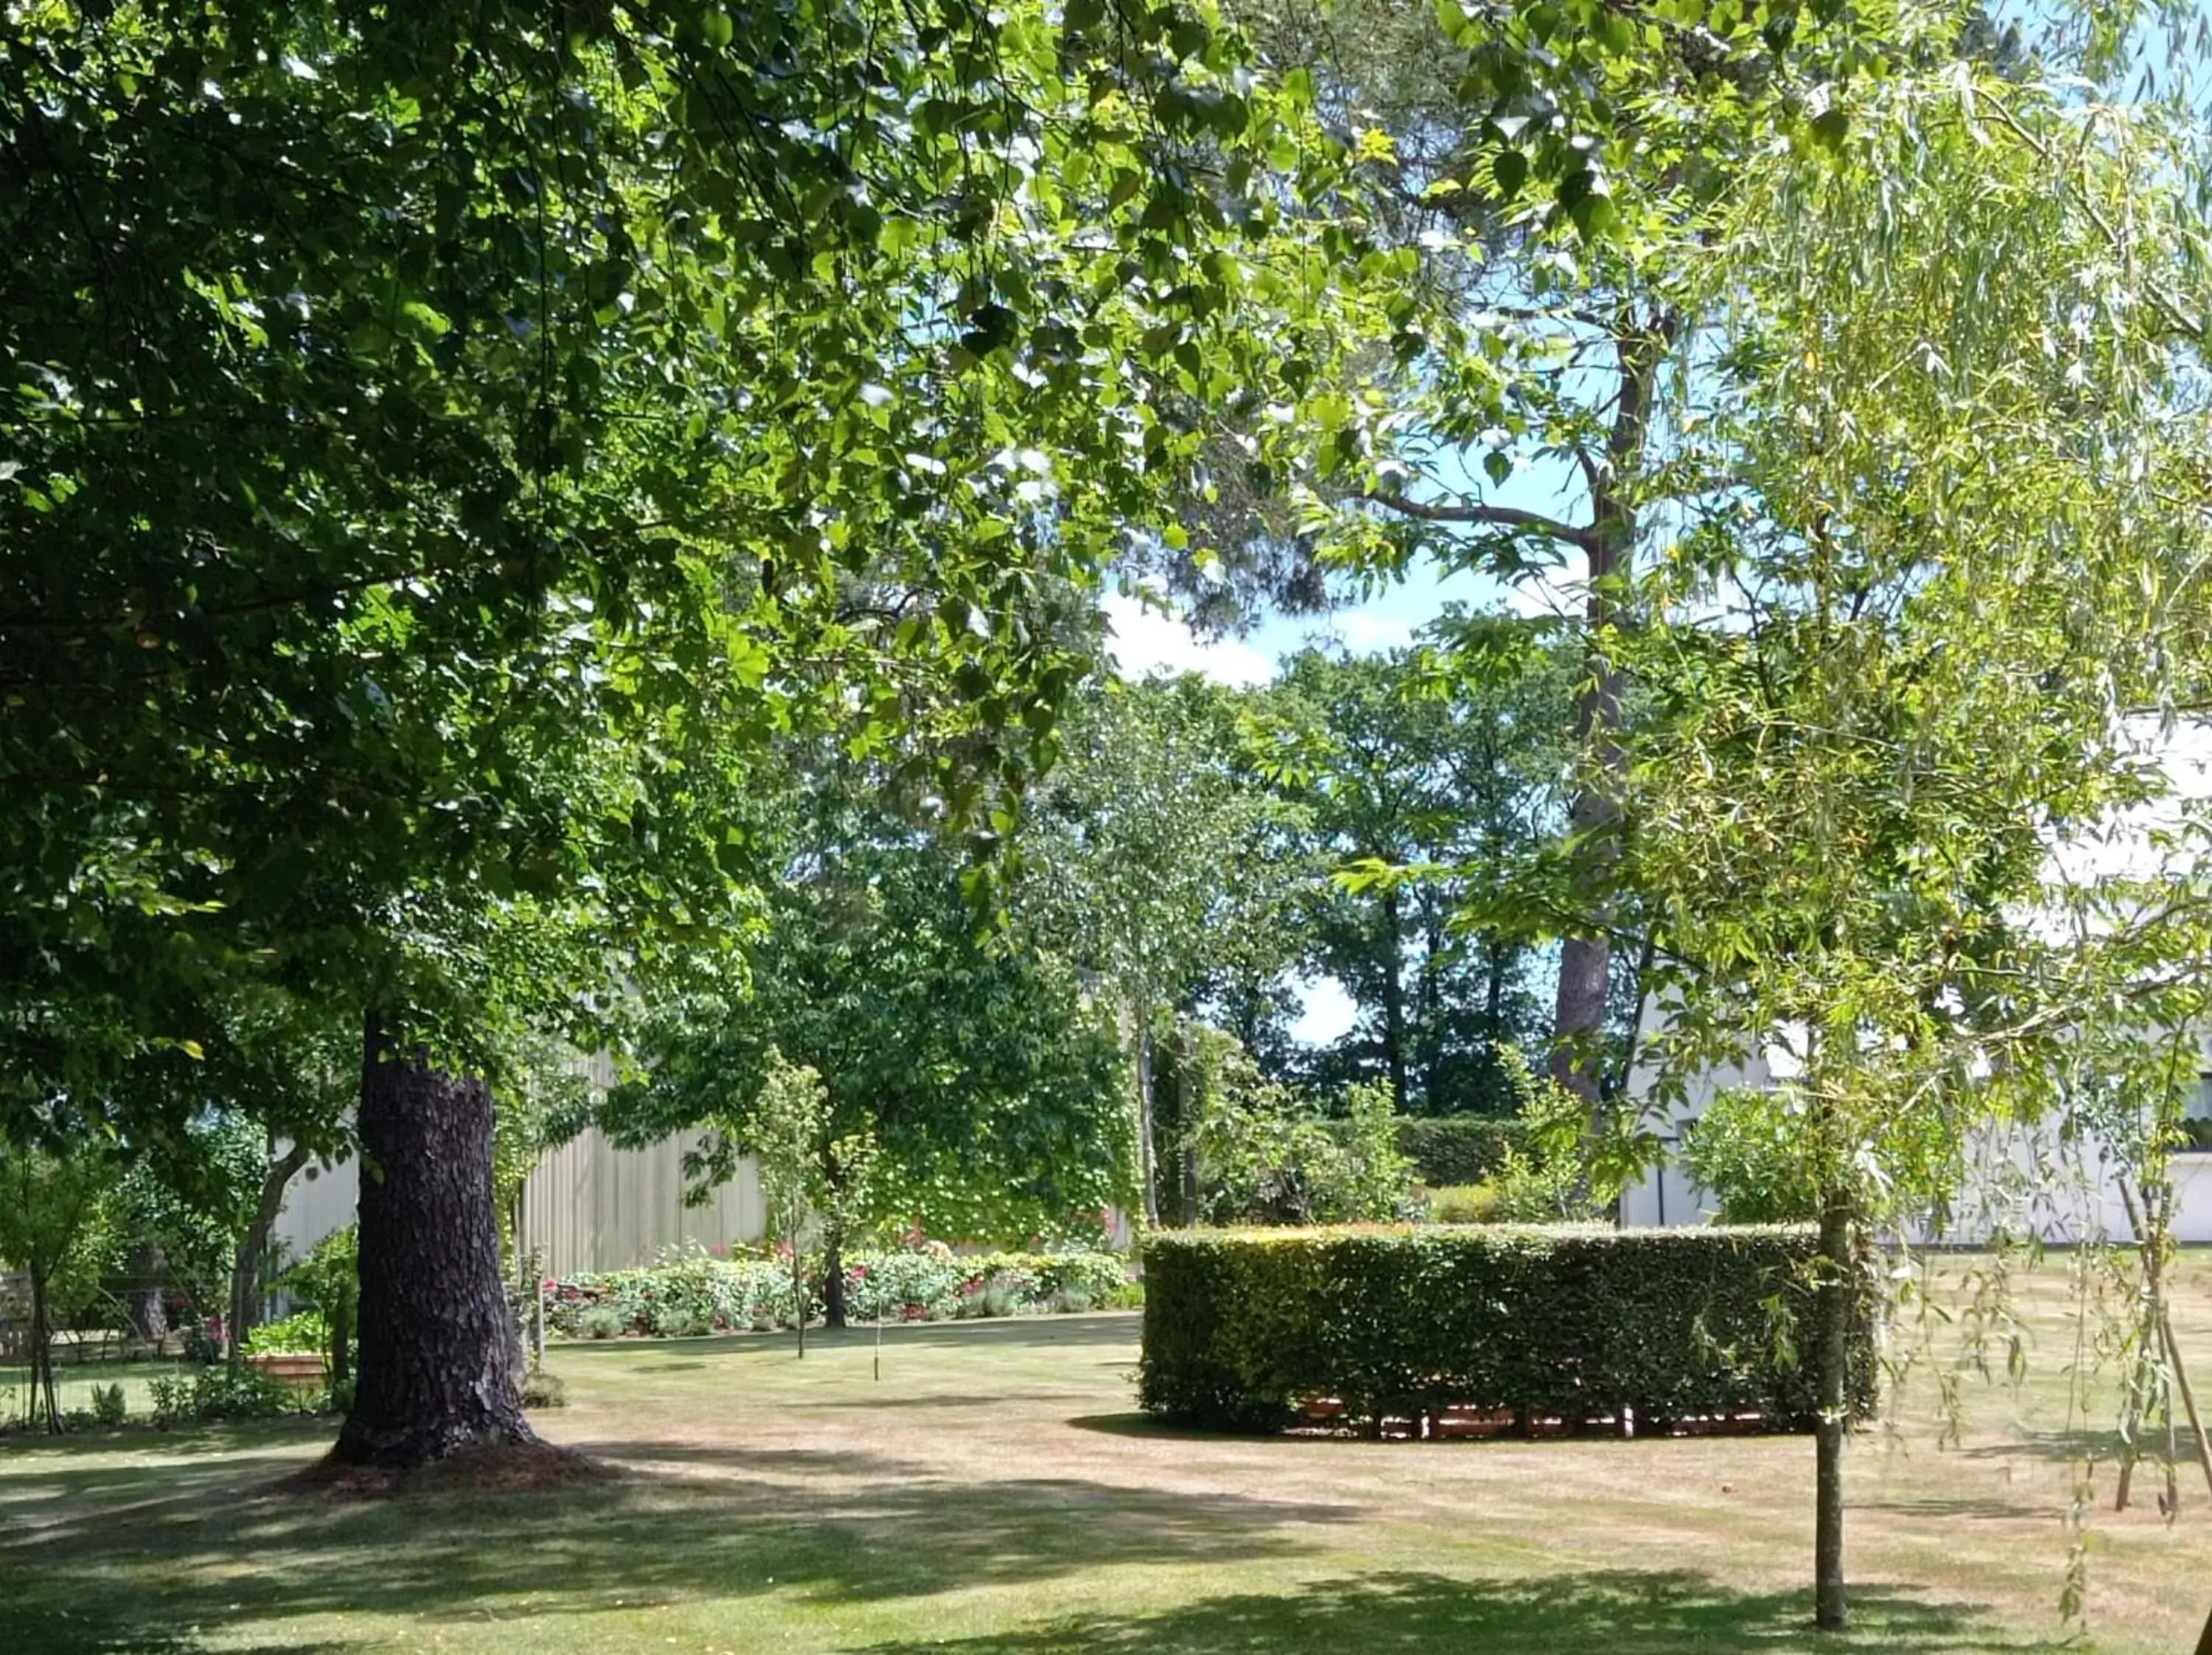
<point x="1617" y="1612"/>
<point x="124" y="1564"/>
<point x="2102" y="1445"/>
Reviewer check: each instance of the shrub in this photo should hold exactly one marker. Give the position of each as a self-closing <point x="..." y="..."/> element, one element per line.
<point x="1463" y="1203"/>
<point x="698" y="1293"/>
<point x="1242" y="1329"/>
<point x="1265" y="1158"/>
<point x="1457" y="1149"/>
<point x="544" y="1390"/>
<point x="216" y="1393"/>
<point x="303" y="1335"/>
<point x="108" y="1406"/>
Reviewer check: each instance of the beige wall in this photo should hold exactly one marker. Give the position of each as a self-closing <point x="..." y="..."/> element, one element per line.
<point x="588" y="1205"/>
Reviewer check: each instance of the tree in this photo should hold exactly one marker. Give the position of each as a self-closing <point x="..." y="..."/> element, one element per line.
<point x="1425" y="792"/>
<point x="1894" y="661"/>
<point x="806" y="1172"/>
<point x="1546" y="176"/>
<point x="988" y="1093"/>
<point x="444" y="445"/>
<point x="1161" y="862"/>
<point x="52" y="1227"/>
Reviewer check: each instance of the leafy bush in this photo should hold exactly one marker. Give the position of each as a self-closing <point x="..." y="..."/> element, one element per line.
<point x="544" y="1390"/>
<point x="108" y="1406"/>
<point x="1265" y="1158"/>
<point x="304" y="1334"/>
<point x="211" y="1394"/>
<point x="1457" y="1150"/>
<point x="1242" y="1329"/>
<point x="1744" y="1151"/>
<point x="699" y="1294"/>
<point x="328" y="1281"/>
<point x="1463" y="1203"/>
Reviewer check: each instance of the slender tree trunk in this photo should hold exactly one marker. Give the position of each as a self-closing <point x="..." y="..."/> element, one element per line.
<point x="42" y="1351"/>
<point x="440" y="1358"/>
<point x="1428" y="1005"/>
<point x="253" y="1246"/>
<point x="1187" y="1120"/>
<point x="1394" y="997"/>
<point x="833" y="1277"/>
<point x="798" y="1286"/>
<point x="1147" y="1145"/>
<point x="1832" y="1303"/>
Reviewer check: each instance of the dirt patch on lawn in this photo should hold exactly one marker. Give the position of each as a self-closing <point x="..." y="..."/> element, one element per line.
<point x="502" y="1469"/>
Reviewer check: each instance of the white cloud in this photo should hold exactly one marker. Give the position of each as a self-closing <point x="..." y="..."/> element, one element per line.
<point x="1368" y="632"/>
<point x="1147" y="641"/>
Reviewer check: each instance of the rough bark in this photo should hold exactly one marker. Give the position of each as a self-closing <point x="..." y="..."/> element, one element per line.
<point x="1833" y="1312"/>
<point x="440" y="1361"/>
<point x="1586" y="961"/>
<point x="149" y="1316"/>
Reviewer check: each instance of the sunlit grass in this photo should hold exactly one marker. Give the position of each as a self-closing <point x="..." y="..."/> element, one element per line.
<point x="994" y="1493"/>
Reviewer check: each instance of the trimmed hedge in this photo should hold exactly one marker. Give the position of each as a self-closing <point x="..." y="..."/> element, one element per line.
<point x="1243" y="1329"/>
<point x="1455" y="1149"/>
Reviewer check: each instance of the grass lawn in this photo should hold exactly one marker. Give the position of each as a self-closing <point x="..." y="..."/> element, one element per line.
<point x="74" y="1383"/>
<point x="994" y="1495"/>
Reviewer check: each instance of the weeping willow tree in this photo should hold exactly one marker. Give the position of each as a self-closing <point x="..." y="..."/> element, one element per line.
<point x="1950" y="539"/>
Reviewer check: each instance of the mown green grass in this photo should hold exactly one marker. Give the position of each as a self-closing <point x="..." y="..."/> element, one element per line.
<point x="74" y="1383"/>
<point x="993" y="1494"/>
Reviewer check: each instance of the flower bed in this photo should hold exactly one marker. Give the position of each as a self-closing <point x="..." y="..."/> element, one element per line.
<point x="703" y="1293"/>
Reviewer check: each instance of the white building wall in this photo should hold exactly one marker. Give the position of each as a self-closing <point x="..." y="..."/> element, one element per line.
<point x="2021" y="1181"/>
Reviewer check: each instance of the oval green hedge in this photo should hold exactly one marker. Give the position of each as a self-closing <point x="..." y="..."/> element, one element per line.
<point x="1243" y="1327"/>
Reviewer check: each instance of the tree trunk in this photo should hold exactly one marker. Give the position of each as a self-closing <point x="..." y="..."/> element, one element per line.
<point x="1428" y="1013"/>
<point x="253" y="1246"/>
<point x="1147" y="1148"/>
<point x="42" y="1352"/>
<point x="1586" y="961"/>
<point x="833" y="1277"/>
<point x="150" y="1317"/>
<point x="1186" y="1122"/>
<point x="798" y="1286"/>
<point x="1832" y="1304"/>
<point x="441" y="1361"/>
<point x="1394" y="998"/>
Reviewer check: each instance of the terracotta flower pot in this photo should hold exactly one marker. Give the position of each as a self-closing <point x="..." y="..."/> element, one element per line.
<point x="299" y="1370"/>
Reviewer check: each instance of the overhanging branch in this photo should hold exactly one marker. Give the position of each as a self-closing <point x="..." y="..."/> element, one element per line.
<point x="1478" y="513"/>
